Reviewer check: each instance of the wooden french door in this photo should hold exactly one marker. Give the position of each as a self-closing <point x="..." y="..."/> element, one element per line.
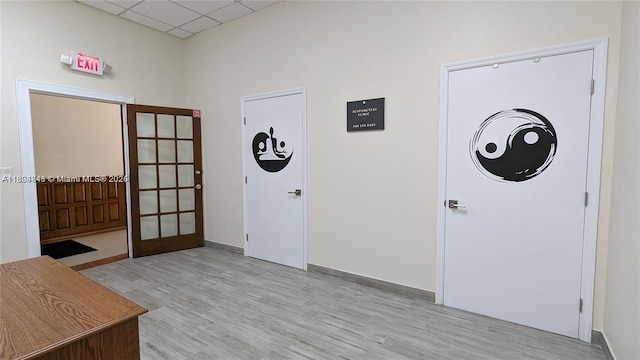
<point x="166" y="175"/>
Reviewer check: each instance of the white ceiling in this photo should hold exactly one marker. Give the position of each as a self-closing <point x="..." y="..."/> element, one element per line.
<point x="181" y="18"/>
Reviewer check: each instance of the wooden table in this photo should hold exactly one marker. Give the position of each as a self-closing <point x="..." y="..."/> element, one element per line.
<point x="48" y="311"/>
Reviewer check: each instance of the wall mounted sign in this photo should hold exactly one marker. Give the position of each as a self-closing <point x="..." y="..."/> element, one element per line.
<point x="513" y="145"/>
<point x="365" y="115"/>
<point x="86" y="63"/>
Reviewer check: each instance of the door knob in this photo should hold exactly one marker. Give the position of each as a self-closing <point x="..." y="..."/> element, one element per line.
<point x="453" y="204"/>
<point x="198" y="186"/>
<point x="298" y="192"/>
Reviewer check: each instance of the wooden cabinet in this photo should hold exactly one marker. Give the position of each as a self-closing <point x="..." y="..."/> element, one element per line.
<point x="49" y="311"/>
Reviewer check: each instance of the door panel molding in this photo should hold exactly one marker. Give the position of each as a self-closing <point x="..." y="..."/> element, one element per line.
<point x="245" y="156"/>
<point x="23" y="90"/>
<point x="599" y="48"/>
<point x="87" y="207"/>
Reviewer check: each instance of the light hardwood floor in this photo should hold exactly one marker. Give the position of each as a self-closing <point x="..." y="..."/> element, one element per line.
<point x="107" y="244"/>
<point x="209" y="303"/>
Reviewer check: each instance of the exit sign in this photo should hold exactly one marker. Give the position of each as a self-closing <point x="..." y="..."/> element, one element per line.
<point x="86" y="63"/>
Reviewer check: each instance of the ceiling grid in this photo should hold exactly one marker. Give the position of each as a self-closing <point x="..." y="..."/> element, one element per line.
<point x="180" y="18"/>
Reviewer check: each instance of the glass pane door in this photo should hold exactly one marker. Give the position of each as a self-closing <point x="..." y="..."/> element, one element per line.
<point x="166" y="163"/>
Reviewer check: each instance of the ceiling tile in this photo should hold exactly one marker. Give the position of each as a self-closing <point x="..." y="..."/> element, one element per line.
<point x="104" y="6"/>
<point x="127" y="4"/>
<point x="230" y="12"/>
<point x="199" y="24"/>
<point x="183" y="16"/>
<point x="166" y="12"/>
<point x="258" y="4"/>
<point x="203" y="7"/>
<point x="141" y="19"/>
<point x="180" y="33"/>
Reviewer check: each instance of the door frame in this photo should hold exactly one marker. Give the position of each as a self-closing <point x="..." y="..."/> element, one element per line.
<point x="24" y="88"/>
<point x="243" y="101"/>
<point x="599" y="47"/>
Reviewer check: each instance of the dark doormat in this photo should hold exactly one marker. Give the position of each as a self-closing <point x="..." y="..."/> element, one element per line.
<point x="65" y="248"/>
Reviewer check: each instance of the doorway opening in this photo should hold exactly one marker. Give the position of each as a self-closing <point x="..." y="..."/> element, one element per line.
<point x="83" y="189"/>
<point x="79" y="162"/>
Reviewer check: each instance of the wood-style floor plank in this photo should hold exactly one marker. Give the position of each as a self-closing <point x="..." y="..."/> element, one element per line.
<point x="208" y="303"/>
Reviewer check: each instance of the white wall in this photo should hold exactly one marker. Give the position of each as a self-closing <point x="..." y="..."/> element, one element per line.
<point x="372" y="195"/>
<point x="146" y="63"/>
<point x="73" y="137"/>
<point x="622" y="312"/>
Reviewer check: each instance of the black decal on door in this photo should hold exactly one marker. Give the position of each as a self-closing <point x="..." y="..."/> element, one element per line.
<point x="270" y="155"/>
<point x="513" y="145"/>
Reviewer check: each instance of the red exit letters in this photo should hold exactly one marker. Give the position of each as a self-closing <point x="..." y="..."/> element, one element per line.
<point x="87" y="63"/>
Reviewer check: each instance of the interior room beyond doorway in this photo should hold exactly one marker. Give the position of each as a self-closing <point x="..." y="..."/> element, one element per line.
<point x="79" y="161"/>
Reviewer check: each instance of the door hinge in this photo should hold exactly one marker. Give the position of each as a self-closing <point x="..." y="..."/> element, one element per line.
<point x="247" y="237"/>
<point x="245" y="118"/>
<point x="586" y="198"/>
<point x="593" y="86"/>
<point x="581" y="305"/>
<point x="245" y="180"/>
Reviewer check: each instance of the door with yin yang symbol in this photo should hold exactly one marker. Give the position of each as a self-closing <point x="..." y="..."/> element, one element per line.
<point x="516" y="167"/>
<point x="275" y="196"/>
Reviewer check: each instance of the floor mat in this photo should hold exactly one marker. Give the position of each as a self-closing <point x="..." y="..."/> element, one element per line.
<point x="65" y="248"/>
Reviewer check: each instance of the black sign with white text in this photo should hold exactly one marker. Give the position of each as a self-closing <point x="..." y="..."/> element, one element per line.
<point x="365" y="115"/>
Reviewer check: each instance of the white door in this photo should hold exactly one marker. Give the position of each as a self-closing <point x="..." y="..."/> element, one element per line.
<point x="274" y="156"/>
<point x="516" y="163"/>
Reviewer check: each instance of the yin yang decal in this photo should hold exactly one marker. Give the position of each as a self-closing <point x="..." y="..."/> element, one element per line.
<point x="514" y="145"/>
<point x="271" y="155"/>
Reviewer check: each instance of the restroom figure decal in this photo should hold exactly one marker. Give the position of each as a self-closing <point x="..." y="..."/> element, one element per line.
<point x="513" y="145"/>
<point x="271" y="155"/>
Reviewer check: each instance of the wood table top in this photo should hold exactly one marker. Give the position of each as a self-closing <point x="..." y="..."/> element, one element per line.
<point x="45" y="305"/>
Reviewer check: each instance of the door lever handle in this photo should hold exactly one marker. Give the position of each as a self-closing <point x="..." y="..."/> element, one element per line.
<point x="453" y="204"/>
<point x="298" y="192"/>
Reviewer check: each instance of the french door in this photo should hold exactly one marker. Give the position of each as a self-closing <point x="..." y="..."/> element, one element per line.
<point x="166" y="179"/>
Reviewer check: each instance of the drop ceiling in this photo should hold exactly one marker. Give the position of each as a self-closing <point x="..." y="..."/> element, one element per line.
<point x="181" y="18"/>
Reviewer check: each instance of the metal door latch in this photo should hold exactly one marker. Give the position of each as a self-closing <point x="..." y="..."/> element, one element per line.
<point x="453" y="204"/>
<point x="298" y="192"/>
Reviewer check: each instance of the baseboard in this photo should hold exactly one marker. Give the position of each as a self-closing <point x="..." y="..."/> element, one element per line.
<point x="362" y="280"/>
<point x="374" y="283"/>
<point x="230" y="248"/>
<point x="100" y="262"/>
<point x="598" y="338"/>
<point x="74" y="236"/>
